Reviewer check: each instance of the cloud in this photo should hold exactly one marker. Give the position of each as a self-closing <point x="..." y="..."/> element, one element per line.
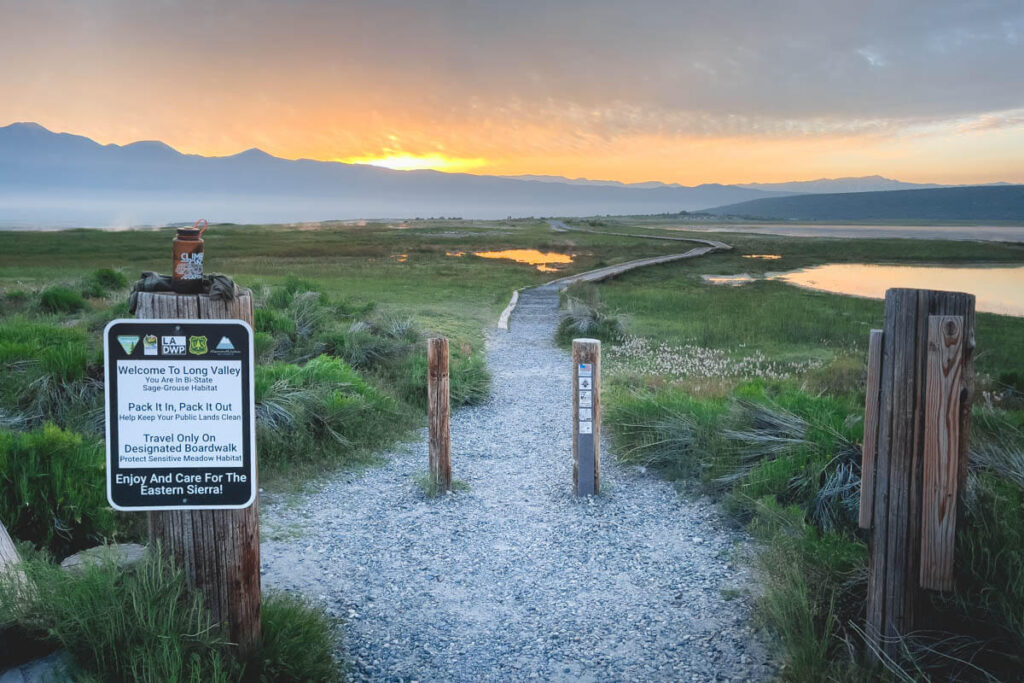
<point x="494" y="78"/>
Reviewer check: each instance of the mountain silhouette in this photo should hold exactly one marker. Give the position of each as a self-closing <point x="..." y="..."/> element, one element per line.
<point x="976" y="203"/>
<point x="49" y="178"/>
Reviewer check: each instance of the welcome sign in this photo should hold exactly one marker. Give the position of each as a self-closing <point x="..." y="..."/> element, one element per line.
<point x="179" y="409"/>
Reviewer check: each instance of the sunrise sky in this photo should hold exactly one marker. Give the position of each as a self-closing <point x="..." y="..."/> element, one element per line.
<point x="676" y="91"/>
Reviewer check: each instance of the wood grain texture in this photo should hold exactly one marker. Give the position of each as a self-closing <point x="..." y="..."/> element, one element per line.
<point x="941" y="450"/>
<point x="439" y="413"/>
<point x="586" y="351"/>
<point x="219" y="550"/>
<point x="870" y="446"/>
<point x="8" y="553"/>
<point x="894" y="596"/>
<point x="23" y="589"/>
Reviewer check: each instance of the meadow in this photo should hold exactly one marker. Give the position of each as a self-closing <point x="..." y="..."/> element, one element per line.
<point x="750" y="394"/>
<point x="754" y="395"/>
<point x="341" y="319"/>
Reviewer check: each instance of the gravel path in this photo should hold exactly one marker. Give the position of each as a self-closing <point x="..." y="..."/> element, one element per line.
<point x="515" y="579"/>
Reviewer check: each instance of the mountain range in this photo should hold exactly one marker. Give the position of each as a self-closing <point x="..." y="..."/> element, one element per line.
<point x="989" y="203"/>
<point x="871" y="183"/>
<point x="60" y="179"/>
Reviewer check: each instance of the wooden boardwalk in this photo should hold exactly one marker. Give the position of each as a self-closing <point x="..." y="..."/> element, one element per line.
<point x="598" y="274"/>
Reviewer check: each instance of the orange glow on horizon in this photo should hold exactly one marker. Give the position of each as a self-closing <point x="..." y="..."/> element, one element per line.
<point x="414" y="162"/>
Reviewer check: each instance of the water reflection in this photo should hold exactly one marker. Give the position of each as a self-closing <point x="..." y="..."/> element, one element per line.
<point x="733" y="280"/>
<point x="546" y="262"/>
<point x="998" y="289"/>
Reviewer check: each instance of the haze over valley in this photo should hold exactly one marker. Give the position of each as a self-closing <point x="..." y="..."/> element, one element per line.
<point x="52" y="179"/>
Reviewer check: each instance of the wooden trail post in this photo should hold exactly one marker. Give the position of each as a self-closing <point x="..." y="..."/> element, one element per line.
<point x="918" y="463"/>
<point x="219" y="550"/>
<point x="438" y="412"/>
<point x="586" y="417"/>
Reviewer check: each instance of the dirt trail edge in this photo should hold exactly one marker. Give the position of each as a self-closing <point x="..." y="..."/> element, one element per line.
<point x="514" y="578"/>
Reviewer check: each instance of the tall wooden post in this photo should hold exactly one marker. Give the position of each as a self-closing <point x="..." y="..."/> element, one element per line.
<point x="586" y="417"/>
<point x="219" y="550"/>
<point x="438" y="412"/>
<point x="908" y="461"/>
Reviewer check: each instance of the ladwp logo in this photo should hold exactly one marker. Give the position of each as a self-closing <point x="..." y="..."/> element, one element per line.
<point x="172" y="346"/>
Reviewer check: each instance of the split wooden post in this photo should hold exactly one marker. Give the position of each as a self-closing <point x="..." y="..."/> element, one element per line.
<point x="941" y="450"/>
<point x="921" y="459"/>
<point x="870" y="447"/>
<point x="586" y="417"/>
<point x="219" y="550"/>
<point x="438" y="414"/>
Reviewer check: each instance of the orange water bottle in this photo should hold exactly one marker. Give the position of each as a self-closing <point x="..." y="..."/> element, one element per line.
<point x="187" y="276"/>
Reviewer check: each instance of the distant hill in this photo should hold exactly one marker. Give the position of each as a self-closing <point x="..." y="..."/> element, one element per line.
<point x="977" y="203"/>
<point x="868" y="183"/>
<point x="49" y="178"/>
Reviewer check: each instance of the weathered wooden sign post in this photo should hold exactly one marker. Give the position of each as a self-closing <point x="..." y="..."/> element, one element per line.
<point x="586" y="417"/>
<point x="180" y="443"/>
<point x="917" y="421"/>
<point x="438" y="414"/>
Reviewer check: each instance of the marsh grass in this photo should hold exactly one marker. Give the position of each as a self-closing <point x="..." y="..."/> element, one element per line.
<point x="53" y="489"/>
<point x="103" y="282"/>
<point x="143" y="624"/>
<point x="60" y="299"/>
<point x="785" y="463"/>
<point x="585" y="316"/>
<point x="321" y="413"/>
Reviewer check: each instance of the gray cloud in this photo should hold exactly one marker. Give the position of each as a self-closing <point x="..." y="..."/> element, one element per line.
<point x="682" y="67"/>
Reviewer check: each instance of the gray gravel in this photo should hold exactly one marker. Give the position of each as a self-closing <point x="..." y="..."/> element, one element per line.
<point x="515" y="579"/>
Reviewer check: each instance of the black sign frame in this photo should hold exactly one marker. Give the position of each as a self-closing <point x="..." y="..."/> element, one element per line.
<point x="238" y="484"/>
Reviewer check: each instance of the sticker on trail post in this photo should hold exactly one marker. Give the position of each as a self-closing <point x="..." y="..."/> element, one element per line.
<point x="180" y="414"/>
<point x="586" y="425"/>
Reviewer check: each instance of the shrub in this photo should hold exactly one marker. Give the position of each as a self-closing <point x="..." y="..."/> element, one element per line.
<point x="320" y="411"/>
<point x="59" y="299"/>
<point x="298" y="642"/>
<point x="583" y="320"/>
<point x="54" y="489"/>
<point x="14" y="301"/>
<point x="103" y="281"/>
<point x="272" y="322"/>
<point x="469" y="380"/>
<point x="374" y="343"/>
<point x="50" y="373"/>
<point x="144" y="625"/>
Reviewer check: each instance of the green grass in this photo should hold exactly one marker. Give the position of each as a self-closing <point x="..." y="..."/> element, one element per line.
<point x="782" y="455"/>
<point x="144" y="625"/>
<point x="786" y="465"/>
<point x="344" y="311"/>
<point x="320" y="413"/>
<point x="431" y="488"/>
<point x="672" y="303"/>
<point x="58" y="299"/>
<point x="54" y="490"/>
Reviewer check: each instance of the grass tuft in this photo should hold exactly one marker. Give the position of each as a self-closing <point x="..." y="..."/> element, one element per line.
<point x="143" y="624"/>
<point x="60" y="299"/>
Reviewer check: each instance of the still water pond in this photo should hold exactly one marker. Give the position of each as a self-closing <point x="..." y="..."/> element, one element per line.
<point x="998" y="289"/>
<point x="546" y="262"/>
